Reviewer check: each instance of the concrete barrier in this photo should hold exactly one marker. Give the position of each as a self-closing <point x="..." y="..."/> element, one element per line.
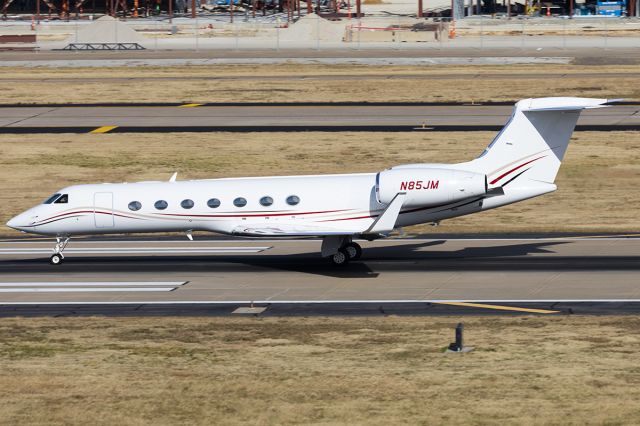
<point x="411" y="34"/>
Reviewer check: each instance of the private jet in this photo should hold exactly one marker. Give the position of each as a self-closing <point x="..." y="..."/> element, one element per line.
<point x="520" y="163"/>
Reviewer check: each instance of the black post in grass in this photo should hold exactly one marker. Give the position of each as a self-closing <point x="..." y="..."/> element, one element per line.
<point x="458" y="345"/>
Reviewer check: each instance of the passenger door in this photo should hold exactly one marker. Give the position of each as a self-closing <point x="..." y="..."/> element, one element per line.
<point x="103" y="209"/>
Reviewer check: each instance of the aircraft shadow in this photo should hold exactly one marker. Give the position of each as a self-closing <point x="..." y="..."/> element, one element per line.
<point x="310" y="263"/>
<point x="416" y="257"/>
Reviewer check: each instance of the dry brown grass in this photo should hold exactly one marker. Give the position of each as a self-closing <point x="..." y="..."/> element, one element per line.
<point x="46" y="85"/>
<point x="597" y="182"/>
<point x="371" y="370"/>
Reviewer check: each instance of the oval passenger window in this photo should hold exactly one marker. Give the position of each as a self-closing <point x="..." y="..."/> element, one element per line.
<point x="266" y="201"/>
<point x="135" y="206"/>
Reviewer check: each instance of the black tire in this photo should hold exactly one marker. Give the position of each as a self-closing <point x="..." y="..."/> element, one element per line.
<point x="354" y="250"/>
<point x="340" y="258"/>
<point x="56" y="259"/>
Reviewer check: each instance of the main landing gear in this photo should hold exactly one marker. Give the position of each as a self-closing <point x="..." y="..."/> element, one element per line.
<point x="57" y="257"/>
<point x="353" y="250"/>
<point x="346" y="253"/>
<point x="340" y="249"/>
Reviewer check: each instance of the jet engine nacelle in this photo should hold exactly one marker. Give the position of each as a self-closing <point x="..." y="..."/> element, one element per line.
<point x="429" y="187"/>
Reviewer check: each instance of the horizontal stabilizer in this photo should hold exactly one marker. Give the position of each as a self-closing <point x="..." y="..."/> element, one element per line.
<point x="562" y="104"/>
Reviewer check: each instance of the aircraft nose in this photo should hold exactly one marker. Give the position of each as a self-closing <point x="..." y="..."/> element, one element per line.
<point x="18" y="222"/>
<point x="13" y="223"/>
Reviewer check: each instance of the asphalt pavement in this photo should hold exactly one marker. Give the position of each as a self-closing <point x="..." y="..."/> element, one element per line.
<point x="292" y="117"/>
<point x="550" y="275"/>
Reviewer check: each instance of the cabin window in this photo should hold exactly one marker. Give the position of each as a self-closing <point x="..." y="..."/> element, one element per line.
<point x="161" y="204"/>
<point x="135" y="206"/>
<point x="64" y="199"/>
<point x="266" y="201"/>
<point x="186" y="204"/>
<point x="292" y="200"/>
<point x="52" y="199"/>
<point x="213" y="203"/>
<point x="239" y="202"/>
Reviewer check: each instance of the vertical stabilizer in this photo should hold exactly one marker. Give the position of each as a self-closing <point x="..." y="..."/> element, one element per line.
<point x="534" y="140"/>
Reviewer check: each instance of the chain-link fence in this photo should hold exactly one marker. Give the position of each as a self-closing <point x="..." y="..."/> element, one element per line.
<point x="244" y="31"/>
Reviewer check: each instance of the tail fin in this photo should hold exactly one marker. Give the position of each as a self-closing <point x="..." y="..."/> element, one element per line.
<point x="533" y="141"/>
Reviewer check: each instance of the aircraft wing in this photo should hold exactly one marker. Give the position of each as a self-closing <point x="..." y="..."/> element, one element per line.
<point x="384" y="224"/>
<point x="289" y="229"/>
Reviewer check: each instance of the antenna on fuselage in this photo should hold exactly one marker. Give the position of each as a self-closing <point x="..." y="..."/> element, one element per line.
<point x="173" y="177"/>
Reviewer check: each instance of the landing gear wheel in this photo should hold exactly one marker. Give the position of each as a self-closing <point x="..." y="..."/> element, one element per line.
<point x="57" y="257"/>
<point x="340" y="258"/>
<point x="353" y="250"/>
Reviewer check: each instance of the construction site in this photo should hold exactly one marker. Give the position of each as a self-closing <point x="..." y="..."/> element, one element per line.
<point x="314" y="31"/>
<point x="333" y="9"/>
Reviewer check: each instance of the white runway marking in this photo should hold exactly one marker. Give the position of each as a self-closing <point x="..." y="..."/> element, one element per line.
<point x="194" y="243"/>
<point x="93" y="284"/>
<point x="136" y="250"/>
<point x="275" y="302"/>
<point x="90" y="287"/>
<point x="85" y="289"/>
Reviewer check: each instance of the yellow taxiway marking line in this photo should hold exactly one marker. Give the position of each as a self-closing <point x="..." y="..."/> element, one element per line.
<point x="189" y="105"/>
<point x="103" y="129"/>
<point x="499" y="308"/>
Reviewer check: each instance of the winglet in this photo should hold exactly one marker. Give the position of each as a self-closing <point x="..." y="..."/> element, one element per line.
<point x="387" y="220"/>
<point x="173" y="177"/>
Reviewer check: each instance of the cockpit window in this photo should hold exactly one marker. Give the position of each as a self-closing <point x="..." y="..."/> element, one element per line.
<point x="63" y="200"/>
<point x="52" y="199"/>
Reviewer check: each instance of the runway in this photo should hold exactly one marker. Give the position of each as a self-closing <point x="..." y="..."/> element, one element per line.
<point x="303" y="117"/>
<point x="456" y="276"/>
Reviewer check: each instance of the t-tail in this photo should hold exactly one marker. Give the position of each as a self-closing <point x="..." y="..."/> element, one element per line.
<point x="524" y="158"/>
<point x="534" y="140"/>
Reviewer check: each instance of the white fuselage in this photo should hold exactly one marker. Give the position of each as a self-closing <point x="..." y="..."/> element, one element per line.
<point x="341" y="203"/>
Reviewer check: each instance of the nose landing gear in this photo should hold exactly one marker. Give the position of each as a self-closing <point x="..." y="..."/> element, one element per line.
<point x="57" y="257"/>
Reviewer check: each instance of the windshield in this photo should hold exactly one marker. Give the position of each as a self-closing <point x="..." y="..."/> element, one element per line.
<point x="52" y="199"/>
<point x="64" y="199"/>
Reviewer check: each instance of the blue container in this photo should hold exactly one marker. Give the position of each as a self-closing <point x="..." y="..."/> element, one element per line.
<point x="611" y="8"/>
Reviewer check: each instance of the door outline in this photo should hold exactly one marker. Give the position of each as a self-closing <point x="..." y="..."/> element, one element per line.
<point x="103" y="201"/>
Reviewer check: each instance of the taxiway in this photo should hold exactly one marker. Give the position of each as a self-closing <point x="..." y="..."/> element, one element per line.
<point x="322" y="117"/>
